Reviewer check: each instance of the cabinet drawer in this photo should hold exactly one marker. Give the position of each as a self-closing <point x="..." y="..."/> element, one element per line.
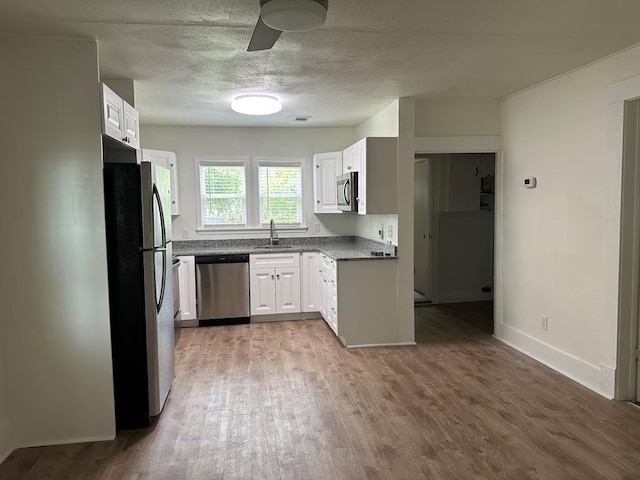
<point x="267" y="260"/>
<point x="328" y="264"/>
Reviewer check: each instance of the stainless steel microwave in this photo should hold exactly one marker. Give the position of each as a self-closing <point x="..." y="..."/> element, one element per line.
<point x="347" y="191"/>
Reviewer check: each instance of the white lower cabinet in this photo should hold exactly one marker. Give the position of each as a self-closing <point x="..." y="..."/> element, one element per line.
<point x="274" y="282"/>
<point x="187" y="278"/>
<point x="311" y="271"/>
<point x="329" y="292"/>
<point x="287" y="290"/>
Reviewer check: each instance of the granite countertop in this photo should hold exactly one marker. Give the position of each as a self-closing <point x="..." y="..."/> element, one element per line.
<point x="337" y="248"/>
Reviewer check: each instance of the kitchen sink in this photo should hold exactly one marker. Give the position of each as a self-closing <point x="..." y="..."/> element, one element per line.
<point x="271" y="247"/>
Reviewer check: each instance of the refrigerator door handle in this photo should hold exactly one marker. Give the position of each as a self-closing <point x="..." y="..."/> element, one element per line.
<point x="158" y="200"/>
<point x="164" y="278"/>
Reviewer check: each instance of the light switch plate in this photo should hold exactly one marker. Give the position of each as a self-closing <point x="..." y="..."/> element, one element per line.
<point x="186" y="234"/>
<point x="316" y="228"/>
<point x="390" y="231"/>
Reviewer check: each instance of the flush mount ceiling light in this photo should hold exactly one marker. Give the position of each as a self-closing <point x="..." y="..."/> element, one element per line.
<point x="294" y="15"/>
<point x="256" y="105"/>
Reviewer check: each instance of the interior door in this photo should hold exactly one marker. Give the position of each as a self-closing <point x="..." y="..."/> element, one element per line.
<point x="421" y="228"/>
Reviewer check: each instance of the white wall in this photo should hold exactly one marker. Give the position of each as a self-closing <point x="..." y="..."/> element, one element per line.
<point x="559" y="241"/>
<point x="397" y="120"/>
<point x="55" y="317"/>
<point x="190" y="142"/>
<point x="385" y="123"/>
<point x="444" y="117"/>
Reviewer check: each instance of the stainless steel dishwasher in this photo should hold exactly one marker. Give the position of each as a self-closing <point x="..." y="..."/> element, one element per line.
<point x="222" y="289"/>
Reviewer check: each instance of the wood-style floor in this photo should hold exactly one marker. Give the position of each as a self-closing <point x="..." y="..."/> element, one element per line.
<point x="286" y="401"/>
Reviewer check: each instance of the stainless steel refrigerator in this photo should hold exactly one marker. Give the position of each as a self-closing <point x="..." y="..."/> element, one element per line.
<point x="138" y="222"/>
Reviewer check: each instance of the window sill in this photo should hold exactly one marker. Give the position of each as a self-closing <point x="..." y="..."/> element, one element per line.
<point x="226" y="230"/>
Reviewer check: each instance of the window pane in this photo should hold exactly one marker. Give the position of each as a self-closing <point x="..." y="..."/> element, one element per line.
<point x="280" y="194"/>
<point x="223" y="195"/>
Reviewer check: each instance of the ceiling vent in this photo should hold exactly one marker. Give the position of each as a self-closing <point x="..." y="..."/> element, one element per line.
<point x="301" y="118"/>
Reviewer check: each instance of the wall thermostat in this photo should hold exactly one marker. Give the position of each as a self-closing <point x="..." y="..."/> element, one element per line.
<point x="530" y="182"/>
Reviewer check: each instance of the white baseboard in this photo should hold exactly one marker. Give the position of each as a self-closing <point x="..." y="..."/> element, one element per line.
<point x="464" y="296"/>
<point x="586" y="374"/>
<point x="66" y="441"/>
<point x="397" y="344"/>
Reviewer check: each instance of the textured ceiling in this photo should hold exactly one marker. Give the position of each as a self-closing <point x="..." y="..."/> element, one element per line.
<point x="188" y="58"/>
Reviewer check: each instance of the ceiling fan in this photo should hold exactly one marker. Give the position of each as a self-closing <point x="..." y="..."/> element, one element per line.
<point x="277" y="16"/>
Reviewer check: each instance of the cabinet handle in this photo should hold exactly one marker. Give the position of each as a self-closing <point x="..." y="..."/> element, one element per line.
<point x="318" y="201"/>
<point x="278" y="276"/>
<point x="272" y="277"/>
<point x="349" y="167"/>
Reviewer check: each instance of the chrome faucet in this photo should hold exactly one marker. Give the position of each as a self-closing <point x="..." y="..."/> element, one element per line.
<point x="273" y="236"/>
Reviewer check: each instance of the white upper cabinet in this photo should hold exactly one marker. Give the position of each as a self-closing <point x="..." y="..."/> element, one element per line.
<point x="167" y="160"/>
<point x="131" y="126"/>
<point x="375" y="159"/>
<point x="120" y="120"/>
<point x="326" y="167"/>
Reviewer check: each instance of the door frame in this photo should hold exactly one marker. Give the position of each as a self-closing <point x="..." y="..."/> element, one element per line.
<point x="475" y="144"/>
<point x="624" y="136"/>
<point x="421" y="159"/>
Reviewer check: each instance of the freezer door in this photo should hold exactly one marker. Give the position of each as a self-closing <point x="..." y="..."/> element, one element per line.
<point x="156" y="205"/>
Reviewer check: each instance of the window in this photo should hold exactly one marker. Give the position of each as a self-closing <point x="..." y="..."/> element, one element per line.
<point x="280" y="188"/>
<point x="244" y="193"/>
<point x="223" y="194"/>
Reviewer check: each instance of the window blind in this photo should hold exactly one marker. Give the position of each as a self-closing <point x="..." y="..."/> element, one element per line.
<point x="223" y="195"/>
<point x="280" y="190"/>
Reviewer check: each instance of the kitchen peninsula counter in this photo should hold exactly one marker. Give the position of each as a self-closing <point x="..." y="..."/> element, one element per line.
<point x="345" y="248"/>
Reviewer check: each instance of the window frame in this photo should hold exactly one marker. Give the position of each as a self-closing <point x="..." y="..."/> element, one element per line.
<point x="252" y="187"/>
<point x="277" y="162"/>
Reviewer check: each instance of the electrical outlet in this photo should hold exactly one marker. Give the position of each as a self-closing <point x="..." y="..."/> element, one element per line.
<point x="381" y="231"/>
<point x="186" y="234"/>
<point x="544" y="323"/>
<point x="390" y="231"/>
<point x="316" y="228"/>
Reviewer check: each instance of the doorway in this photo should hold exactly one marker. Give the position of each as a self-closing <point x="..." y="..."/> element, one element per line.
<point x="454" y="225"/>
<point x="628" y="366"/>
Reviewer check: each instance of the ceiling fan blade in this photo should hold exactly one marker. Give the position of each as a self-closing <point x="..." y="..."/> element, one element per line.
<point x="264" y="37"/>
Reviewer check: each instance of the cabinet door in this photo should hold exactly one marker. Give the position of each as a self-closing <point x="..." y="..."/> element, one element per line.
<point x="311" y="281"/>
<point x="112" y="114"/>
<point x="323" y="295"/>
<point x="287" y="290"/>
<point x="167" y="160"/>
<point x="172" y="165"/>
<point x="262" y="284"/>
<point x="131" y="130"/>
<point x="333" y="305"/>
<point x="187" y="278"/>
<point x="326" y="167"/>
